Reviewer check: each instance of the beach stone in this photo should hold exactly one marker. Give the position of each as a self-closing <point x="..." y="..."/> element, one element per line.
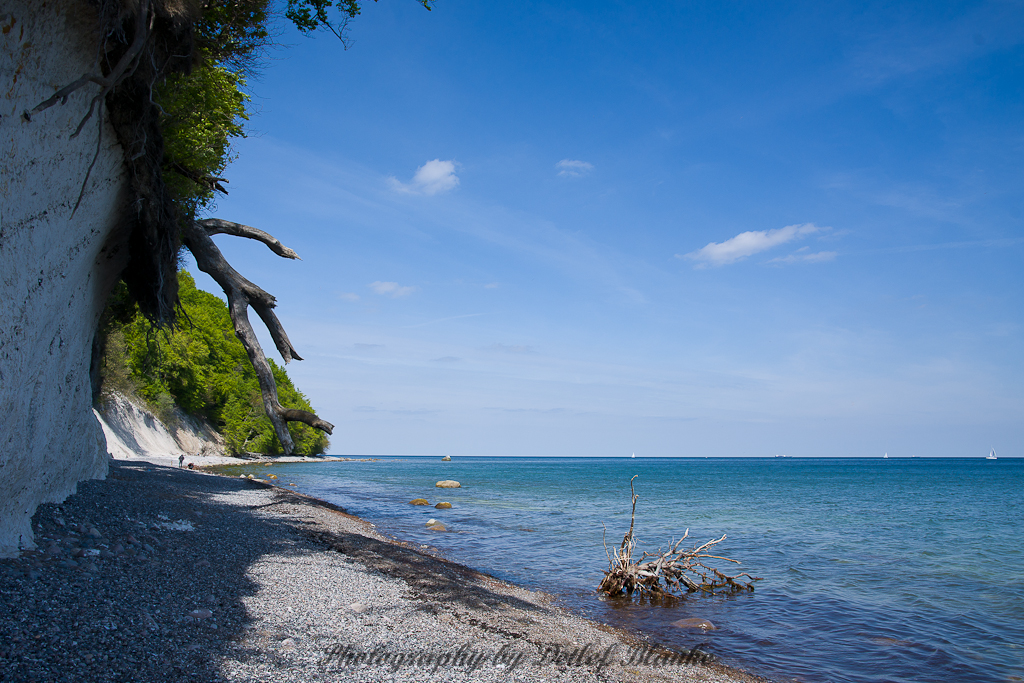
<point x="446" y="458"/>
<point x="443" y="506"/>
<point x="358" y="607"/>
<point x="437" y="526"/>
<point x="419" y="501"/>
<point x="448" y="484"/>
<point x="200" y="614"/>
<point x="695" y="623"/>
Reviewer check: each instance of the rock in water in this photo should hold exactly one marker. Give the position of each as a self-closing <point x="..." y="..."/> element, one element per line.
<point x="419" y="501"/>
<point x="443" y="506"/>
<point x="448" y="484"/>
<point x="694" y="622"/>
<point x="446" y="458"/>
<point x="437" y="526"/>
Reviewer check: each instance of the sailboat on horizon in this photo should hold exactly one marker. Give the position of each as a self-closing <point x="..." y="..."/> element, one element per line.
<point x="991" y="455"/>
<point x="886" y="456"/>
<point x="633" y="456"/>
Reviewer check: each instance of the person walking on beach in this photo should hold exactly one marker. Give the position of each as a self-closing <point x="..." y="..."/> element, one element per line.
<point x="181" y="461"/>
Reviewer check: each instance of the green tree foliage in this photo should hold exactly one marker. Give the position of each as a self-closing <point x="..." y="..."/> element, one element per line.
<point x="203" y="110"/>
<point x="202" y="367"/>
<point x="310" y="15"/>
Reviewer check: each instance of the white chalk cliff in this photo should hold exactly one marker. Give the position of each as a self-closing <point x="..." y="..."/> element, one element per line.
<point x="133" y="432"/>
<point x="56" y="267"/>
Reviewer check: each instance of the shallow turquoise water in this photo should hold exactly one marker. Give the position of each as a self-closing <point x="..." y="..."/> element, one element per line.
<point x="874" y="570"/>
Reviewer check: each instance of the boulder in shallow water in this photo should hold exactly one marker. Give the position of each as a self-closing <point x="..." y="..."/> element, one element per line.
<point x="448" y="484"/>
<point x="437" y="526"/>
<point x="443" y="506"/>
<point x="695" y="623"/>
<point x="446" y="458"/>
<point x="419" y="501"/>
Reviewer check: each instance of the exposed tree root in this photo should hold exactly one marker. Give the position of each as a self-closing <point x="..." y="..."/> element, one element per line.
<point x="241" y="295"/>
<point x="669" y="571"/>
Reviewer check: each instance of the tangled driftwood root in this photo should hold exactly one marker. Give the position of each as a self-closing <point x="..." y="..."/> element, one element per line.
<point x="669" y="571"/>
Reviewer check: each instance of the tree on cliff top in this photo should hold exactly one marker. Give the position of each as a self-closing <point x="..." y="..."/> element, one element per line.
<point x="170" y="75"/>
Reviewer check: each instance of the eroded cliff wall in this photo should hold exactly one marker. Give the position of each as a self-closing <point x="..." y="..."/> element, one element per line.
<point x="56" y="269"/>
<point x="133" y="432"/>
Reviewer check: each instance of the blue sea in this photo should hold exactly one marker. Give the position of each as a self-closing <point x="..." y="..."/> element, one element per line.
<point x="874" y="570"/>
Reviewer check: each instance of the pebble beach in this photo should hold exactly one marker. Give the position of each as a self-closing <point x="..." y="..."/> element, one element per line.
<point x="160" y="573"/>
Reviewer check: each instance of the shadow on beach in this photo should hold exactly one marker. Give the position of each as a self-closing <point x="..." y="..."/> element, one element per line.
<point x="146" y="575"/>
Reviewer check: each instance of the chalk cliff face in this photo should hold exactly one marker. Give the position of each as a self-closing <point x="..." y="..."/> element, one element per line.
<point x="133" y="432"/>
<point x="56" y="266"/>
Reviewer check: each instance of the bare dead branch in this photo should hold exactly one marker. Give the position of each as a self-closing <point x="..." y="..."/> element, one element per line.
<point x="213" y="183"/>
<point x="215" y="226"/>
<point x="241" y="295"/>
<point x="667" y="571"/>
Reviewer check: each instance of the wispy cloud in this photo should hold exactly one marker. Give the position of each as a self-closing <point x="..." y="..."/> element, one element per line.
<point x="573" y="168"/>
<point x="802" y="256"/>
<point x="431" y="178"/>
<point x="447" y="359"/>
<point x="347" y="296"/>
<point x="747" y="244"/>
<point x="392" y="289"/>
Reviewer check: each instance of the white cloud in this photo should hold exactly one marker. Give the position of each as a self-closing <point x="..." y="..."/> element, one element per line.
<point x="348" y="296"/>
<point x="573" y="168"/>
<point x="819" y="257"/>
<point x="431" y="178"/>
<point x="748" y="243"/>
<point x="392" y="289"/>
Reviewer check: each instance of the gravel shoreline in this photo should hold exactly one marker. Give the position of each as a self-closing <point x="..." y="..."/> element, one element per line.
<point x="159" y="573"/>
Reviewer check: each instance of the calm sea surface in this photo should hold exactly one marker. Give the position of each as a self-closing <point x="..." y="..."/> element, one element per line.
<point x="874" y="570"/>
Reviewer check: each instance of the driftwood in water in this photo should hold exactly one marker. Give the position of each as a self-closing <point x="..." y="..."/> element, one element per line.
<point x="669" y="571"/>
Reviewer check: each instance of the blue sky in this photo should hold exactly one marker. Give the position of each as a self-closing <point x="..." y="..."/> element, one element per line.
<point x="675" y="229"/>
